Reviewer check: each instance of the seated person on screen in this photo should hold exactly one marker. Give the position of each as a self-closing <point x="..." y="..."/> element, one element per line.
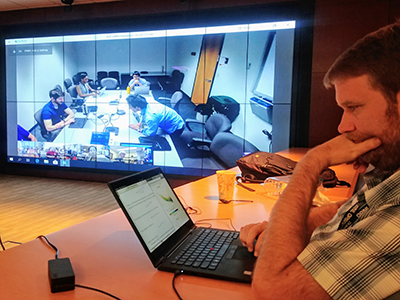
<point x="137" y="81"/>
<point x="121" y="156"/>
<point x="92" y="154"/>
<point x="25" y="135"/>
<point x="154" y="116"/>
<point x="56" y="114"/>
<point x="84" y="89"/>
<point x="347" y="249"/>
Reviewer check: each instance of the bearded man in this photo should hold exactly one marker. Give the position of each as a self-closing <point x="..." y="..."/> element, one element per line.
<point x="350" y="249"/>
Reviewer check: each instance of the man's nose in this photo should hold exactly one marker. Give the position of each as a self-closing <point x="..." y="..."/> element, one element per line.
<point x="346" y="124"/>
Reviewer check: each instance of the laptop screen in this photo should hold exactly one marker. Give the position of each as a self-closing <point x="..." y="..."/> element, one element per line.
<point x="153" y="208"/>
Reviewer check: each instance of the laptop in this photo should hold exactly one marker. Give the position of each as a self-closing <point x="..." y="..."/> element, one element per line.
<point x="100" y="138"/>
<point x="165" y="231"/>
<point x="79" y="123"/>
<point x="101" y="92"/>
<point x="142" y="89"/>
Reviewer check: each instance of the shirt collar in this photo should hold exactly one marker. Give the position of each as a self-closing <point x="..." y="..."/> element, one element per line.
<point x="381" y="187"/>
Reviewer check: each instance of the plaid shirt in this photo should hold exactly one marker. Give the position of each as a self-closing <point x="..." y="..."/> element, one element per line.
<point x="362" y="261"/>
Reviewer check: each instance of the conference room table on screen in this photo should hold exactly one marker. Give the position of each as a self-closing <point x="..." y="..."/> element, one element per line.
<point x="125" y="134"/>
<point x="106" y="254"/>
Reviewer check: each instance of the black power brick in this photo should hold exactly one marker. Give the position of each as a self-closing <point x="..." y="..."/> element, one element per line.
<point x="61" y="275"/>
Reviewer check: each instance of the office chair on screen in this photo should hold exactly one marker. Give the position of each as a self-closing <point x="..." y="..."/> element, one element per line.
<point x="125" y="78"/>
<point x="225" y="149"/>
<point x="48" y="136"/>
<point x="203" y="137"/>
<point x="109" y="83"/>
<point x="114" y="74"/>
<point x="173" y="101"/>
<point x="73" y="95"/>
<point x="67" y="83"/>
<point x="172" y="83"/>
<point x="72" y="91"/>
<point x="100" y="76"/>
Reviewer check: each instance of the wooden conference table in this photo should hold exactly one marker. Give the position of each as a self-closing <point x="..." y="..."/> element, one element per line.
<point x="106" y="254"/>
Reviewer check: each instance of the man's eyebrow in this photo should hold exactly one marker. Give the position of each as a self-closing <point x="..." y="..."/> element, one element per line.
<point x="348" y="103"/>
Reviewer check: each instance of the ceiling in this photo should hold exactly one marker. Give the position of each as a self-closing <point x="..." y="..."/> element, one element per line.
<point x="8" y="5"/>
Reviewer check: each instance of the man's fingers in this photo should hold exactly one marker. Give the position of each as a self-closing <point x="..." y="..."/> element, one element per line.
<point x="249" y="233"/>
<point x="368" y="145"/>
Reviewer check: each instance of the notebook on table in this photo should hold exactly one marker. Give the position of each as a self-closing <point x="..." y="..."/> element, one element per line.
<point x="168" y="235"/>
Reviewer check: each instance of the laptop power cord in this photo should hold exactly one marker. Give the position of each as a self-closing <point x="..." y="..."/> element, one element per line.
<point x="61" y="274"/>
<point x="176" y="274"/>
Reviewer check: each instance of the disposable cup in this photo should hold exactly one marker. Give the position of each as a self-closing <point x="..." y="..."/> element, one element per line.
<point x="226" y="185"/>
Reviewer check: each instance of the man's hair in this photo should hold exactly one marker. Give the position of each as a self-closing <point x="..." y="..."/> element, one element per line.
<point x="56" y="93"/>
<point x="136" y="73"/>
<point x="376" y="55"/>
<point x="136" y="100"/>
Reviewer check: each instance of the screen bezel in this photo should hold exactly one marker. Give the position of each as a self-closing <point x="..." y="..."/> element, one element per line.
<point x="298" y="11"/>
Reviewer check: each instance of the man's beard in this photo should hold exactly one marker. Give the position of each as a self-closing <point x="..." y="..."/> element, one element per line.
<point x="387" y="156"/>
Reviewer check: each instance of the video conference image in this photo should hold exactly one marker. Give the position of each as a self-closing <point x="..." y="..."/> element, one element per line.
<point x="190" y="100"/>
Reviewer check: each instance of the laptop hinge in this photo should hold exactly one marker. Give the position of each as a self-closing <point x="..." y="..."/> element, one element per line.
<point x="161" y="260"/>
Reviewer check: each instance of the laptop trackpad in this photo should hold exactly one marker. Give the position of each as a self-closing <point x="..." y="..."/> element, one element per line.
<point x="238" y="252"/>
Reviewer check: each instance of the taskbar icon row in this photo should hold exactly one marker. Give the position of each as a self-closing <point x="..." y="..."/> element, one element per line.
<point x="40" y="161"/>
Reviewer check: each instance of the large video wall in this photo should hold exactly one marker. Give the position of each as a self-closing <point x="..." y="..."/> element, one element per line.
<point x="242" y="71"/>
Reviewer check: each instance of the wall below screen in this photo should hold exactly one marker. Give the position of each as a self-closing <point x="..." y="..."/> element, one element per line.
<point x="174" y="180"/>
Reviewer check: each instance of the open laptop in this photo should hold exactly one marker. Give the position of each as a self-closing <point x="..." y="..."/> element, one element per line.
<point x="79" y="123"/>
<point x="101" y="92"/>
<point x="100" y="138"/>
<point x="165" y="230"/>
<point x="142" y="89"/>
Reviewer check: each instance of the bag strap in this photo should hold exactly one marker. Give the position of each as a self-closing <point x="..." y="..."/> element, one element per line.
<point x="343" y="183"/>
<point x="239" y="182"/>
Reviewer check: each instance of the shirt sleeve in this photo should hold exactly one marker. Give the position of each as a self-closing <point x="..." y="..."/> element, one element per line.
<point x="46" y="115"/>
<point x="22" y="133"/>
<point x="150" y="123"/>
<point x="361" y="262"/>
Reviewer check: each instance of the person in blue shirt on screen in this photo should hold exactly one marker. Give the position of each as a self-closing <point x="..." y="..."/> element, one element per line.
<point x="25" y="135"/>
<point x="137" y="81"/>
<point x="56" y="114"/>
<point x="154" y="116"/>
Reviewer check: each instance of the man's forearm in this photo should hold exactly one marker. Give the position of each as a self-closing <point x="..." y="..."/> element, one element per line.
<point x="287" y="233"/>
<point x="278" y="274"/>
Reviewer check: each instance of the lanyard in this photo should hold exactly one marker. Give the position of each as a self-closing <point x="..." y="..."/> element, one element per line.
<point x="355" y="212"/>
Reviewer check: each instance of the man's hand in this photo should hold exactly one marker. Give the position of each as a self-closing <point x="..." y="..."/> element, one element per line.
<point x="342" y="150"/>
<point x="69" y="121"/>
<point x="135" y="126"/>
<point x="251" y="232"/>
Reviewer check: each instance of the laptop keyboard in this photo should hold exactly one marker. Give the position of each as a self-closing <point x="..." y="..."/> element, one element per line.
<point x="206" y="250"/>
<point x="79" y="123"/>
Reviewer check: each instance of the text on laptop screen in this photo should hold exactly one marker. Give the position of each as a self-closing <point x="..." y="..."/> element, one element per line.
<point x="154" y="209"/>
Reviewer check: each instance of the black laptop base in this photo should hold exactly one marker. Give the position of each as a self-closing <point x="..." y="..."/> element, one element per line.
<point x="230" y="257"/>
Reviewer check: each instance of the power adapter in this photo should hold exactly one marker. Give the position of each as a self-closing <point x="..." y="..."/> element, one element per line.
<point x="61" y="275"/>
